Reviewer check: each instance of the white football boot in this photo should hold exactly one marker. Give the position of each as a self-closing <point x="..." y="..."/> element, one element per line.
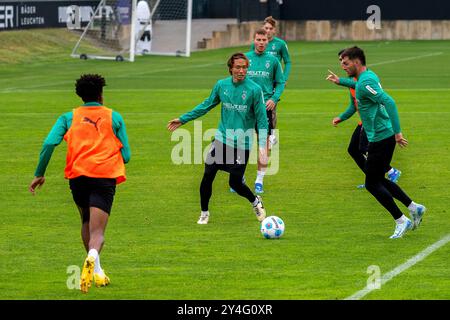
<point x="204" y="218"/>
<point x="259" y="209"/>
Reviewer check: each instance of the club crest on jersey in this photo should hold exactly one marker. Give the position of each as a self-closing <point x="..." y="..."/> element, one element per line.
<point x="267" y="64"/>
<point x="273" y="47"/>
<point x="244" y="95"/>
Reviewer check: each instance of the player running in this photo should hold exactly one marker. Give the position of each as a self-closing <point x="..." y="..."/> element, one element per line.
<point x="267" y="72"/>
<point x="279" y="49"/>
<point x="242" y="108"/>
<point x="381" y="122"/>
<point x="97" y="149"/>
<point x="357" y="147"/>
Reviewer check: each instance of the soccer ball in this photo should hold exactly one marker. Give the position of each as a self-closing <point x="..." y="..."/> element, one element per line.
<point x="272" y="227"/>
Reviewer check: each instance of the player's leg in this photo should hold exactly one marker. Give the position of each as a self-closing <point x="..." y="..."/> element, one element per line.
<point x="206" y="191"/>
<point x="272" y="137"/>
<point x="243" y="182"/>
<point x="378" y="159"/>
<point x="416" y="210"/>
<point x="209" y="174"/>
<point x="84" y="215"/>
<point x="357" y="149"/>
<point x="391" y="173"/>
<point x="97" y="226"/>
<point x="230" y="157"/>
<point x="236" y="168"/>
<point x="100" y="277"/>
<point x="91" y="267"/>
<point x="100" y="204"/>
<point x="81" y="189"/>
<point x="354" y="148"/>
<point x="262" y="167"/>
<point x="237" y="171"/>
<point x="244" y="191"/>
<point x="80" y="194"/>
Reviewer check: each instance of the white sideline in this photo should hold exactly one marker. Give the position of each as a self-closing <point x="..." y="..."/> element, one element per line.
<point x="190" y="66"/>
<point x="408" y="264"/>
<point x="406" y="59"/>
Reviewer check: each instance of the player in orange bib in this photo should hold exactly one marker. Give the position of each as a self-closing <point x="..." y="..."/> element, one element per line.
<point x="97" y="150"/>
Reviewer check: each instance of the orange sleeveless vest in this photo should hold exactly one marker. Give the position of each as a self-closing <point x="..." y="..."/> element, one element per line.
<point x="93" y="150"/>
<point x="355" y="102"/>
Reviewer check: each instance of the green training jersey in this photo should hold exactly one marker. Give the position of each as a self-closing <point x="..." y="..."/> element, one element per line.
<point x="242" y="108"/>
<point x="378" y="110"/>
<point x="351" y="108"/>
<point x="63" y="124"/>
<point x="279" y="49"/>
<point x="266" y="71"/>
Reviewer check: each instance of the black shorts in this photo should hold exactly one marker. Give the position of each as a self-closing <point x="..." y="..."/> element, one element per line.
<point x="225" y="158"/>
<point x="93" y="192"/>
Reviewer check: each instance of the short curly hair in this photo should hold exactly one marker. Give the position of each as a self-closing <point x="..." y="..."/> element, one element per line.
<point x="89" y="87"/>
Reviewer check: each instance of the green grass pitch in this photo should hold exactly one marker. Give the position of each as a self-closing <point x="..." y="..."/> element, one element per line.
<point x="154" y="249"/>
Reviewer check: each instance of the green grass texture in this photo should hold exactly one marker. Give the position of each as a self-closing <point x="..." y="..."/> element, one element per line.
<point x="154" y="249"/>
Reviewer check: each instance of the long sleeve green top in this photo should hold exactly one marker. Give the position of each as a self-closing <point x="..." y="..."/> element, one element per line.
<point x="378" y="110"/>
<point x="243" y="107"/>
<point x="351" y="108"/>
<point x="266" y="71"/>
<point x="279" y="49"/>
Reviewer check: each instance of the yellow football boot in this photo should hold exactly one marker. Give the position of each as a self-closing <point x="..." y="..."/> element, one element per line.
<point x="101" y="280"/>
<point x="86" y="274"/>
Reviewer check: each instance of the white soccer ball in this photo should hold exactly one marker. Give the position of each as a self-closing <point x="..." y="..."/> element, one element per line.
<point x="272" y="227"/>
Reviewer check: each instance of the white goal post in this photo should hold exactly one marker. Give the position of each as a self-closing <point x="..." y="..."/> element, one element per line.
<point x="116" y="31"/>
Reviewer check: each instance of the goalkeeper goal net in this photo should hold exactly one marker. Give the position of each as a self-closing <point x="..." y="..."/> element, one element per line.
<point x="121" y="29"/>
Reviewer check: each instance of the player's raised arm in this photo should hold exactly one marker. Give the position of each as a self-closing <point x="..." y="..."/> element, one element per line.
<point x="344" y="82"/>
<point x="332" y="77"/>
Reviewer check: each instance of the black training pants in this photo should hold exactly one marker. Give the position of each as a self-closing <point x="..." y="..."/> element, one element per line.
<point x="379" y="156"/>
<point x="225" y="158"/>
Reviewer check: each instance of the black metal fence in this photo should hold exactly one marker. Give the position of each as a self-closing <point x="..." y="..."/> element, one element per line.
<point x="15" y="14"/>
<point x="256" y="10"/>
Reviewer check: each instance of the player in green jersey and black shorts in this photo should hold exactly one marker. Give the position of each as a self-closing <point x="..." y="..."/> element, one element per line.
<point x="380" y="120"/>
<point x="279" y="49"/>
<point x="266" y="71"/>
<point x="242" y="108"/>
<point x="357" y="147"/>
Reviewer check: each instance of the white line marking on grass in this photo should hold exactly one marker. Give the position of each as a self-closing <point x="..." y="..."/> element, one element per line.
<point x="134" y="75"/>
<point x="406" y="59"/>
<point x="198" y="66"/>
<point x="6" y="91"/>
<point x="408" y="264"/>
<point x="44" y="114"/>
